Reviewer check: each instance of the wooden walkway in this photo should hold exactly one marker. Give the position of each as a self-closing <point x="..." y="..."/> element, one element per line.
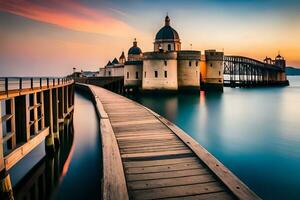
<point x="158" y="159"/>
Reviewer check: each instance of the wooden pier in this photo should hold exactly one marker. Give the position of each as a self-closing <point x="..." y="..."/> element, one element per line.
<point x="147" y="157"/>
<point x="31" y="112"/>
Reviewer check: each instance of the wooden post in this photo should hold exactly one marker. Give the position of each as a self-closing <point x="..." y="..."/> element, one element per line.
<point x="1" y="143"/>
<point x="35" y="113"/>
<point x="60" y="103"/>
<point x="5" y="183"/>
<point x="50" y="147"/>
<point x="55" y="116"/>
<point x="6" y="85"/>
<point x="42" y="110"/>
<point x="65" y="99"/>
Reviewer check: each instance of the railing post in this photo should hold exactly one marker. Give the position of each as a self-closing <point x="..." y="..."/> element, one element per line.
<point x="20" y="84"/>
<point x="31" y="83"/>
<point x="6" y="84"/>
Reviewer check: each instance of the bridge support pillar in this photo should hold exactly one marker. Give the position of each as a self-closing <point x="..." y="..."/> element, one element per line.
<point x="50" y="145"/>
<point x="6" y="191"/>
<point x="55" y="117"/>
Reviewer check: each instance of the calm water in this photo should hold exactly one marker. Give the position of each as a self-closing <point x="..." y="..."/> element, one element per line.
<point x="83" y="177"/>
<point x="254" y="132"/>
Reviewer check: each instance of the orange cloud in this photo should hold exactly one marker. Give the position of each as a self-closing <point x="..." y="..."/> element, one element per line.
<point x="67" y="14"/>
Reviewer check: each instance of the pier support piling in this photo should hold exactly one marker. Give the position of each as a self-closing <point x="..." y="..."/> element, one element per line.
<point x="6" y="191"/>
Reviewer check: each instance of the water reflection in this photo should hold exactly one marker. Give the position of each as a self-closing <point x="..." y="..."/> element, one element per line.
<point x="44" y="178"/>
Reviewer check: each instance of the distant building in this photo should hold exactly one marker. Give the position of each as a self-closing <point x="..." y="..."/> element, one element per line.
<point x="167" y="67"/>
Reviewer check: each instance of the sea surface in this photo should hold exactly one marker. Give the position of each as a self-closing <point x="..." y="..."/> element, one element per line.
<point x="255" y="132"/>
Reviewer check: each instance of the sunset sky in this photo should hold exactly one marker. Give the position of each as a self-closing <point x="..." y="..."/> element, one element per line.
<point x="49" y="38"/>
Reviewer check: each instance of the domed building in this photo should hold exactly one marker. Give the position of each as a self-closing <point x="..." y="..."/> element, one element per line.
<point x="167" y="38"/>
<point x="133" y="68"/>
<point x="168" y="67"/>
<point x="134" y="53"/>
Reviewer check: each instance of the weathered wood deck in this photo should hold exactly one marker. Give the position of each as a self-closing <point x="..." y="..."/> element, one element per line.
<point x="150" y="158"/>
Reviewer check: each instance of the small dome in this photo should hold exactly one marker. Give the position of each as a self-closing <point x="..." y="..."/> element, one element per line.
<point x="167" y="32"/>
<point x="134" y="49"/>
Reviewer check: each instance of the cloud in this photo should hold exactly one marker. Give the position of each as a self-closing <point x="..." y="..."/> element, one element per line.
<point x="68" y="14"/>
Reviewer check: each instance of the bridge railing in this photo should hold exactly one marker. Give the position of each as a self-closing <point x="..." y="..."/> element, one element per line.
<point x="19" y="83"/>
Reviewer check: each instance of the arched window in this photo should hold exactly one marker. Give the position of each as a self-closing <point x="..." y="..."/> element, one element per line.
<point x="190" y="63"/>
<point x="127" y="75"/>
<point x="169" y="47"/>
<point x="196" y="63"/>
<point x="137" y="75"/>
<point x="166" y="63"/>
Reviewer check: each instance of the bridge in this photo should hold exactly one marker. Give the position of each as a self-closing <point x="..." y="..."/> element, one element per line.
<point x="154" y="159"/>
<point x="241" y="71"/>
<point x="32" y="110"/>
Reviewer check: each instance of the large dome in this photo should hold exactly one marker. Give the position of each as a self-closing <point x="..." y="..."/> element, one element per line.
<point x="167" y="32"/>
<point x="134" y="50"/>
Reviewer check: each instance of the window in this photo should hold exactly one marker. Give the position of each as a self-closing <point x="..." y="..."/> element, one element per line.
<point x="137" y="75"/>
<point x="211" y="64"/>
<point x="190" y="63"/>
<point x="156" y="74"/>
<point x="166" y="63"/>
<point x="219" y="73"/>
<point x="169" y="47"/>
<point x="127" y="75"/>
<point x="196" y="63"/>
<point x="145" y="74"/>
<point x="166" y="74"/>
<point x="109" y="73"/>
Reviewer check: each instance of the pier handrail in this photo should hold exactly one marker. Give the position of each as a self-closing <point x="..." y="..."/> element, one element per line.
<point x="19" y="83"/>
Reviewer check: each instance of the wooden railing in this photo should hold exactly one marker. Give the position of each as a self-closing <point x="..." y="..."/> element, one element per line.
<point x="30" y="112"/>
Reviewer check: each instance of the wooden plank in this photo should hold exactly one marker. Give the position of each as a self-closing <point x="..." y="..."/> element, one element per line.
<point x="209" y="196"/>
<point x="163" y="175"/>
<point x="135" y="151"/>
<point x="114" y="184"/>
<point x="158" y="162"/>
<point x="177" y="181"/>
<point x="157" y="144"/>
<point x="17" y="154"/>
<point x="164" y="168"/>
<point x="134" y="122"/>
<point x="156" y="154"/>
<point x="163" y="147"/>
<point x="178" y="191"/>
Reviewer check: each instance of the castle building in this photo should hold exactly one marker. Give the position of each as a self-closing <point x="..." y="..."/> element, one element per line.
<point x="168" y="67"/>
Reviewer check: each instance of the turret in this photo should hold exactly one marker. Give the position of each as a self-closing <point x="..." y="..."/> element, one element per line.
<point x="213" y="71"/>
<point x="122" y="58"/>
